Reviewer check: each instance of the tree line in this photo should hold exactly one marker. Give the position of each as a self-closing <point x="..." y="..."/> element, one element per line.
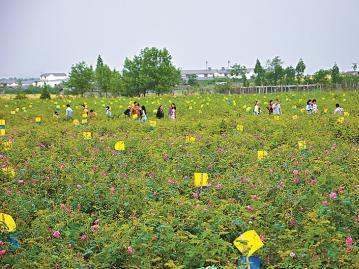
<point x="150" y="71"/>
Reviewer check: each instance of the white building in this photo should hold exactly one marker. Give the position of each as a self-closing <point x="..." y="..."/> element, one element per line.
<point x="206" y="74"/>
<point x="52" y="79"/>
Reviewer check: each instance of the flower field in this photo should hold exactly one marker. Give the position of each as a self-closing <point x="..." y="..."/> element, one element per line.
<point x="80" y="203"/>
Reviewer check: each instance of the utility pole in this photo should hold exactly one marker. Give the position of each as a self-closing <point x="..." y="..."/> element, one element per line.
<point x="206" y="65"/>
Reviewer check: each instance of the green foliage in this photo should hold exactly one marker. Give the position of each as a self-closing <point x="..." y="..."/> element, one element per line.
<point x="299" y="70"/>
<point x="335" y="74"/>
<point x="45" y="93"/>
<point x="149" y="214"/>
<point x="151" y="70"/>
<point x="240" y="71"/>
<point x="260" y="73"/>
<point x="80" y="78"/>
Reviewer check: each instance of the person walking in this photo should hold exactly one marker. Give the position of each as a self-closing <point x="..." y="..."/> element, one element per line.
<point x="257" y="109"/>
<point x="143" y="114"/>
<point x="69" y="112"/>
<point x="160" y="114"/>
<point x="276" y="108"/>
<point x="172" y="111"/>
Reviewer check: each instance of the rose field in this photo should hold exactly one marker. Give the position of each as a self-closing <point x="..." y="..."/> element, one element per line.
<point x="79" y="203"/>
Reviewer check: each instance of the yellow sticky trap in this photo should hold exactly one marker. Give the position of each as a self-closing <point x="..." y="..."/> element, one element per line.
<point x="190" y="139"/>
<point x="7" y="145"/>
<point x="302" y="145"/>
<point x="7" y="223"/>
<point x="240" y="127"/>
<point x="295" y="117"/>
<point x="262" y="154"/>
<point x="277" y="118"/>
<point x="120" y="145"/>
<point x="2" y="132"/>
<point x="13" y="112"/>
<point x="248" y="243"/>
<point x="84" y="115"/>
<point x="76" y="122"/>
<point x="200" y="179"/>
<point x="134" y="116"/>
<point x="340" y="120"/>
<point x="84" y="121"/>
<point x="153" y="123"/>
<point x="87" y="135"/>
<point x="38" y="119"/>
<point x="9" y="171"/>
<point x="345" y="114"/>
<point x="2" y="122"/>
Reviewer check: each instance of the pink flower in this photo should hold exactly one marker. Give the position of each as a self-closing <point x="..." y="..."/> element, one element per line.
<point x="262" y="237"/>
<point x="254" y="197"/>
<point x="1" y="243"/>
<point x="171" y="182"/>
<point x="210" y="166"/>
<point x="63" y="206"/>
<point x="96" y="222"/>
<point x="325" y="203"/>
<point x="295" y="172"/>
<point x="152" y="174"/>
<point x="2" y="252"/>
<point x="249" y="208"/>
<point x="195" y="195"/>
<point x="296" y="180"/>
<point x="270" y="171"/>
<point x="113" y="190"/>
<point x="130" y="250"/>
<point x="56" y="234"/>
<point x="313" y="180"/>
<point x="349" y="243"/>
<point x="334" y="146"/>
<point x="219" y="186"/>
<point x="83" y="237"/>
<point x="62" y="166"/>
<point x="56" y="265"/>
<point x="95" y="227"/>
<point x="333" y="195"/>
<point x="292" y="255"/>
<point x="295" y="163"/>
<point x="78" y="186"/>
<point x="165" y="157"/>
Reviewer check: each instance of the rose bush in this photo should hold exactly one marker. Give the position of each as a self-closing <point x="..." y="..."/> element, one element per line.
<point x="81" y="204"/>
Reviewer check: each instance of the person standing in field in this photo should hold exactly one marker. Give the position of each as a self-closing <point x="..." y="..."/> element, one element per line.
<point x="257" y="109"/>
<point x="160" y="114"/>
<point x="143" y="114"/>
<point x="338" y="110"/>
<point x="108" y="112"/>
<point x="314" y="106"/>
<point x="135" y="111"/>
<point x="270" y="107"/>
<point x="309" y="107"/>
<point x="69" y="112"/>
<point x="172" y="111"/>
<point x="276" y="108"/>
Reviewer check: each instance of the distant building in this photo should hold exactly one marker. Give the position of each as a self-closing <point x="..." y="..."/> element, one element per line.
<point x="351" y="73"/>
<point x="207" y="74"/>
<point x="52" y="79"/>
<point x="15" y="82"/>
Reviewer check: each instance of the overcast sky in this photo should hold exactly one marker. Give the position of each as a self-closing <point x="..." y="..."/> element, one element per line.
<point x="38" y="36"/>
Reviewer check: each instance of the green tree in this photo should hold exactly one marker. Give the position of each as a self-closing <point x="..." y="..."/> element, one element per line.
<point x="151" y="70"/>
<point x="116" y="83"/>
<point x="274" y="71"/>
<point x="355" y="66"/>
<point x="335" y="74"/>
<point x="289" y="75"/>
<point x="45" y="94"/>
<point x="80" y="78"/>
<point x="299" y="70"/>
<point x="322" y="76"/>
<point x="99" y="61"/>
<point x="192" y="80"/>
<point x="238" y="70"/>
<point x="103" y="76"/>
<point x="259" y="73"/>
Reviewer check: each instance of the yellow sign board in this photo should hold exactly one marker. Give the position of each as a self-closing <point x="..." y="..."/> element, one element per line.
<point x="153" y="123"/>
<point x="2" y="122"/>
<point x="240" y="127"/>
<point x="262" y="154"/>
<point x="248" y="243"/>
<point x="2" y="132"/>
<point x="120" y="145"/>
<point x="7" y="145"/>
<point x="302" y="145"/>
<point x="190" y="139"/>
<point x="38" y="119"/>
<point x="200" y="179"/>
<point x="87" y="135"/>
<point x="7" y="223"/>
<point x="84" y="121"/>
<point x="9" y="171"/>
<point x="84" y="115"/>
<point x="76" y="122"/>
